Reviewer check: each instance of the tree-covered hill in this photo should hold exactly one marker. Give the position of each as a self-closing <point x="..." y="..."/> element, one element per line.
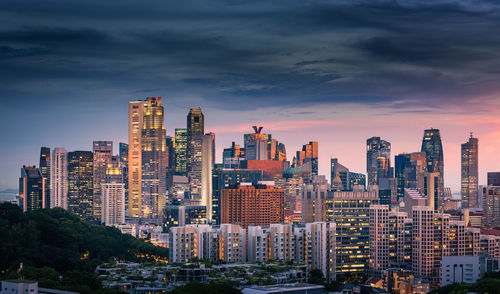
<point x="62" y="244"/>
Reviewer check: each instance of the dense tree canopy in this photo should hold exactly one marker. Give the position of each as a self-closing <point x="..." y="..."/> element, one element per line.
<point x="60" y="250"/>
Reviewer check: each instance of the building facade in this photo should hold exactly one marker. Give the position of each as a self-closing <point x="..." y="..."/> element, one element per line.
<point x="45" y="169"/>
<point x="433" y="148"/>
<point x="469" y="179"/>
<point x="32" y="188"/>
<point x="103" y="150"/>
<point x="80" y="183"/>
<point x="378" y="160"/>
<point x="113" y="203"/>
<point x="59" y="178"/>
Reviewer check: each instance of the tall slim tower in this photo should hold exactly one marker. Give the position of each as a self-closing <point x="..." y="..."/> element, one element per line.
<point x="180" y="151"/>
<point x="469" y="173"/>
<point x="195" y="128"/>
<point x="378" y="160"/>
<point x="59" y="178"/>
<point x="123" y="149"/>
<point x="200" y="170"/>
<point x="45" y="169"/>
<point x="433" y="148"/>
<point x="32" y="188"/>
<point x="80" y="183"/>
<point x="154" y="159"/>
<point x="103" y="150"/>
<point x="135" y="125"/>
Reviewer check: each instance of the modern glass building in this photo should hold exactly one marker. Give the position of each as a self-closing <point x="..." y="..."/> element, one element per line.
<point x="154" y="160"/>
<point x="407" y="167"/>
<point x="469" y="185"/>
<point x="80" y="183"/>
<point x="180" y="151"/>
<point x="433" y="148"/>
<point x="123" y="154"/>
<point x="32" y="189"/>
<point x="45" y="169"/>
<point x="378" y="160"/>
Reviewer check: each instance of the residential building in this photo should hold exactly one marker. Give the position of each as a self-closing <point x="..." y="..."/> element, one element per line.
<point x="113" y="203"/>
<point x="59" y="178"/>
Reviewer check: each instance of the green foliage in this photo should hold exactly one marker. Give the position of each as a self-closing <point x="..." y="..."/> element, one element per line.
<point x="490" y="284"/>
<point x="61" y="251"/>
<point x="316" y="277"/>
<point x="219" y="287"/>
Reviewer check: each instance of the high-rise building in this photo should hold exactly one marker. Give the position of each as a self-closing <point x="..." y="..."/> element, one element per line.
<point x="32" y="188"/>
<point x="154" y="160"/>
<point x="113" y="203"/>
<point x="123" y="153"/>
<point x="350" y="210"/>
<point x="246" y="204"/>
<point x="200" y="166"/>
<point x="135" y="126"/>
<point x="469" y="185"/>
<point x="378" y="160"/>
<point x="257" y="145"/>
<point x="493" y="179"/>
<point x="314" y="200"/>
<point x="195" y="123"/>
<point x="80" y="183"/>
<point x="181" y="215"/>
<point x="407" y="167"/>
<point x="45" y="169"/>
<point x="356" y="179"/>
<point x="59" y="178"/>
<point x="232" y="156"/>
<point x="321" y="246"/>
<point x="433" y="148"/>
<point x="428" y="185"/>
<point x="103" y="150"/>
<point x="180" y="151"/>
<point x="309" y="153"/>
<point x="491" y="206"/>
<point x="223" y="178"/>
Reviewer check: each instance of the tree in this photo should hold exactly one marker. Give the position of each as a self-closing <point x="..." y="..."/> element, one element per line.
<point x="316" y="277"/>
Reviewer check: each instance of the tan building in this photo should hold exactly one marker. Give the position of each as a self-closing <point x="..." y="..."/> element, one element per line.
<point x="135" y="125"/>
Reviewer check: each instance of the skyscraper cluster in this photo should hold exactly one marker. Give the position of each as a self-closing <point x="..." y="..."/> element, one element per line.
<point x="258" y="205"/>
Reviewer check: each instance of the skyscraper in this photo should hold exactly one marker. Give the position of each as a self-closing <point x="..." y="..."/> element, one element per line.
<point x="154" y="159"/>
<point x="314" y="200"/>
<point x="408" y="166"/>
<point x="103" y="150"/>
<point x="195" y="123"/>
<point x="45" y="169"/>
<point x="378" y="160"/>
<point x="470" y="173"/>
<point x="180" y="151"/>
<point x="113" y="203"/>
<point x="59" y="178"/>
<point x="135" y="125"/>
<point x="80" y="183"/>
<point x="433" y="148"/>
<point x="32" y="188"/>
<point x="200" y="166"/>
<point x="309" y="153"/>
<point x="428" y="185"/>
<point x="123" y="153"/>
<point x="257" y="145"/>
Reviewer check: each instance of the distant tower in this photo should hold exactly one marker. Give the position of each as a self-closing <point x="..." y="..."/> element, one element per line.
<point x="154" y="159"/>
<point x="378" y="160"/>
<point x="45" y="169"/>
<point x="470" y="173"/>
<point x="32" y="188"/>
<point x="59" y="178"/>
<point x="123" y="149"/>
<point x="433" y="148"/>
<point x="180" y="151"/>
<point x="135" y="125"/>
<point x="103" y="150"/>
<point x="80" y="183"/>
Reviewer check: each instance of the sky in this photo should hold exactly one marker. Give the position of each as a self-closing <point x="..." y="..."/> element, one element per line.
<point x="336" y="72"/>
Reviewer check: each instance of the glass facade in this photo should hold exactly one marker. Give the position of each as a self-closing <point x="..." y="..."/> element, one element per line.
<point x="80" y="183"/>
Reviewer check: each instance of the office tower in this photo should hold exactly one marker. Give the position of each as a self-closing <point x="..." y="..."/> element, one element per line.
<point x="246" y="204"/>
<point x="350" y="210"/>
<point x="493" y="179"/>
<point x="356" y="179"/>
<point x="343" y="173"/>
<point x="469" y="186"/>
<point x="123" y="153"/>
<point x="135" y="126"/>
<point x="491" y="206"/>
<point x="292" y="182"/>
<point x="45" y="169"/>
<point x="314" y="200"/>
<point x="232" y="156"/>
<point x="321" y="247"/>
<point x="113" y="203"/>
<point x="103" y="150"/>
<point x="281" y="152"/>
<point x="433" y="148"/>
<point x="170" y="143"/>
<point x="32" y="188"/>
<point x="256" y="150"/>
<point x="59" y="178"/>
<point x="309" y="153"/>
<point x="195" y="123"/>
<point x="428" y="185"/>
<point x="200" y="166"/>
<point x="180" y="151"/>
<point x="80" y="183"/>
<point x="407" y="167"/>
<point x="181" y="215"/>
<point x="114" y="171"/>
<point x="378" y="160"/>
<point x="154" y="160"/>
<point x="222" y="178"/>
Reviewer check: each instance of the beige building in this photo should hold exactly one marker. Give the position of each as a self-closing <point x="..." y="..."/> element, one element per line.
<point x="135" y="125"/>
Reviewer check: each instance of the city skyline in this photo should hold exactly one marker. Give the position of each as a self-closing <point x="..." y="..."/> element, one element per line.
<point x="335" y="72"/>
